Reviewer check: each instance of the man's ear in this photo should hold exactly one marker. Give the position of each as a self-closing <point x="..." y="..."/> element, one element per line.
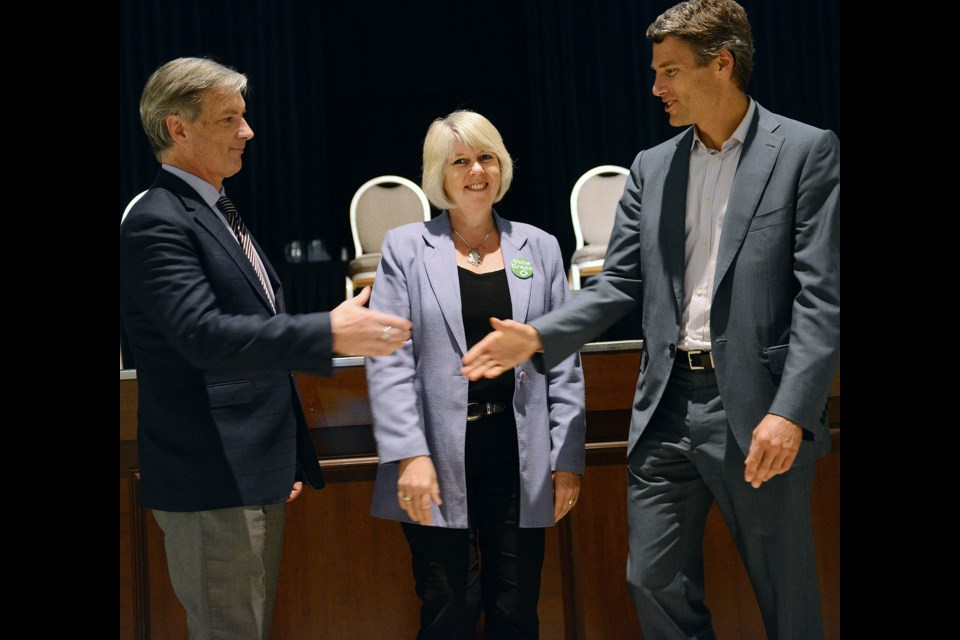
<point x="724" y="63"/>
<point x="175" y="127"/>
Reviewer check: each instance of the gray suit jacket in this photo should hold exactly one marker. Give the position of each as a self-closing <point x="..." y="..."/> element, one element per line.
<point x="418" y="397"/>
<point x="775" y="317"/>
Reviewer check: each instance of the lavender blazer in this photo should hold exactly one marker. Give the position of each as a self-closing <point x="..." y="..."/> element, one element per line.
<point x="418" y="397"/>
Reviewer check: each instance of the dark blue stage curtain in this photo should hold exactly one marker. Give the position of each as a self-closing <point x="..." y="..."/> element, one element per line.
<point x="343" y="92"/>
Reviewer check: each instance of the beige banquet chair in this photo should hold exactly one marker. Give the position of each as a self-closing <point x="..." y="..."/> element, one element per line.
<point x="126" y="210"/>
<point x="130" y="204"/>
<point x="593" y="206"/>
<point x="379" y="205"/>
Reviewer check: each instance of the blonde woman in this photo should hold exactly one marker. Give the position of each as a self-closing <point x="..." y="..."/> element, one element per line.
<point x="472" y="469"/>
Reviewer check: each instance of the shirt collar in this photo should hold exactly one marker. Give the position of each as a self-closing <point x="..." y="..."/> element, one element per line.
<point x="739" y="134"/>
<point x="206" y="190"/>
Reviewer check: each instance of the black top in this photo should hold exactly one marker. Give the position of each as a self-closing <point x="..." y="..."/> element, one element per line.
<point x="484" y="296"/>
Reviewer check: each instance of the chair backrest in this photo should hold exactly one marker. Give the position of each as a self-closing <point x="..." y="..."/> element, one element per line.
<point x="122" y="218"/>
<point x="130" y="205"/>
<point x="381" y="204"/>
<point x="593" y="203"/>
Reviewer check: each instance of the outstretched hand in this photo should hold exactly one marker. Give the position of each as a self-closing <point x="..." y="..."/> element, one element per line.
<point x="509" y="344"/>
<point x="358" y="331"/>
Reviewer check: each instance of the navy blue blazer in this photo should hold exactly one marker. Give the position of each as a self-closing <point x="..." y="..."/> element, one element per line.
<point x="219" y="421"/>
<point x="775" y="316"/>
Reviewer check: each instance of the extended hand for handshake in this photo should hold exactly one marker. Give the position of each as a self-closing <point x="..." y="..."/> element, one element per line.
<point x="509" y="344"/>
<point x="358" y="331"/>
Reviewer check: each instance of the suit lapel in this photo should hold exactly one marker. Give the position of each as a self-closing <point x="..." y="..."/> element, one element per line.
<point x="513" y="244"/>
<point x="440" y="263"/>
<point x="214" y="225"/>
<point x="757" y="159"/>
<point x="674" y="215"/>
<point x="211" y="221"/>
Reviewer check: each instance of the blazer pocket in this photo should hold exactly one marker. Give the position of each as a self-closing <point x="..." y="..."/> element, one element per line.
<point x="771" y="218"/>
<point x="228" y="394"/>
<point x="776" y="357"/>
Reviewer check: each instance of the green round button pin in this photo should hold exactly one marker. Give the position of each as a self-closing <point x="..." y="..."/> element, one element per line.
<point x="521" y="268"/>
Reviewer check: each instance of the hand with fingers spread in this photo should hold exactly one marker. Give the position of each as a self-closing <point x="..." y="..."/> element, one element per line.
<point x="566" y="492"/>
<point x="509" y="344"/>
<point x="773" y="448"/>
<point x="358" y="331"/>
<point x="417" y="488"/>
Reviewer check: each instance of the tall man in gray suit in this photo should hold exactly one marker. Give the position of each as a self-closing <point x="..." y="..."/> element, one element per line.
<point x="222" y="439"/>
<point x="727" y="236"/>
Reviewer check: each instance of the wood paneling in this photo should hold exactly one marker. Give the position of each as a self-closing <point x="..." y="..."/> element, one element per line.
<point x="346" y="575"/>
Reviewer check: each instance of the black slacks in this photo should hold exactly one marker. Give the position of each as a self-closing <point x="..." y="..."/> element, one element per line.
<point x="493" y="565"/>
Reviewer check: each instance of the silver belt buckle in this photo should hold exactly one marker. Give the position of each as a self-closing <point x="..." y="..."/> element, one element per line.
<point x="489" y="408"/>
<point x="471" y="418"/>
<point x="694" y="367"/>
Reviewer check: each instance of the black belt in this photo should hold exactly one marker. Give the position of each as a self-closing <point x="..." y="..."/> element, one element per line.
<point x="695" y="360"/>
<point x="476" y="410"/>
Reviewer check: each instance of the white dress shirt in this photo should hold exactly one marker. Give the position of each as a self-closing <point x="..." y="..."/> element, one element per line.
<point x="708" y="190"/>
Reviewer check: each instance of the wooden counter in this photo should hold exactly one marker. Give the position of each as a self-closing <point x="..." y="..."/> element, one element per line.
<point x="347" y="576"/>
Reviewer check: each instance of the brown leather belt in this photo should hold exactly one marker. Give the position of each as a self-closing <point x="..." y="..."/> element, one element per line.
<point x="476" y="410"/>
<point x="695" y="360"/>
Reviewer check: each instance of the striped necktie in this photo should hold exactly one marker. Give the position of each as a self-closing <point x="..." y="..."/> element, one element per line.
<point x="240" y="230"/>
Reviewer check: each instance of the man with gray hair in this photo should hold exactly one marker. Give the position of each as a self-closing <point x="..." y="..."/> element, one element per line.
<point x="223" y="442"/>
<point x="728" y="237"/>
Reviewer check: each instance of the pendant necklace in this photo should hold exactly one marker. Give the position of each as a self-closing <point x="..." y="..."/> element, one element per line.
<point x="474" y="255"/>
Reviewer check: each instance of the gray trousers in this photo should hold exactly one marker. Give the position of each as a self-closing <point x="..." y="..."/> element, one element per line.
<point x="685" y="460"/>
<point x="224" y="565"/>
